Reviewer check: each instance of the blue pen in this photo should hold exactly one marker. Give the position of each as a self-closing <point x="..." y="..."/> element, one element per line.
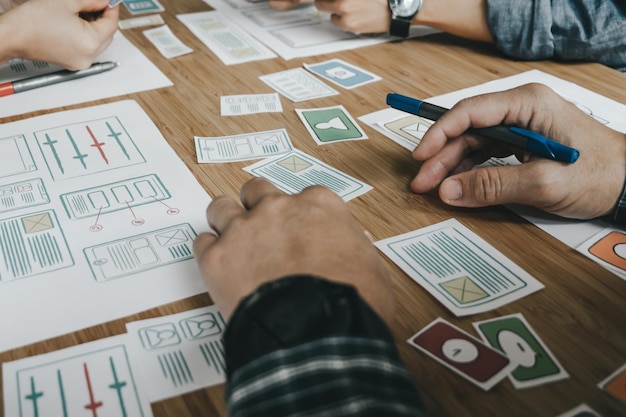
<point x="512" y="135"/>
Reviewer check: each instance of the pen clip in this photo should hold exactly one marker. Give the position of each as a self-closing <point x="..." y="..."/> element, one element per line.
<point x="541" y="145"/>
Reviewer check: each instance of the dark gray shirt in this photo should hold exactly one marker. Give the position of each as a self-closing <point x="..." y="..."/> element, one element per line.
<point x="580" y="30"/>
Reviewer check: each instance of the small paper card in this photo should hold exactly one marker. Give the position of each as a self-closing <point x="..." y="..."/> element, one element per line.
<point x="179" y="353"/>
<point x="513" y="336"/>
<point x="343" y="74"/>
<point x="330" y="124"/>
<point x="297" y="85"/>
<point x="295" y="171"/>
<point x="242" y="147"/>
<point x="615" y="384"/>
<point x="458" y="268"/>
<point x="462" y="353"/>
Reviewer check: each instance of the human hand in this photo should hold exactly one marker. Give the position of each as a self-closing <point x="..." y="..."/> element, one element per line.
<point x="286" y="4"/>
<point x="277" y="235"/>
<point x="587" y="189"/>
<point x="53" y="31"/>
<point x="358" y="16"/>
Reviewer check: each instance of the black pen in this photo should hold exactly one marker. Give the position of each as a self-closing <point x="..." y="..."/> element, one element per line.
<point x="9" y="88"/>
<point x="512" y="135"/>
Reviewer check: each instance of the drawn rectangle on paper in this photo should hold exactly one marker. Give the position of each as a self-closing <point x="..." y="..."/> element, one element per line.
<point x="96" y="376"/>
<point x="32" y="244"/>
<point x="87" y="147"/>
<point x="115" y="196"/>
<point x="16" y="156"/>
<point x="142" y="252"/>
<point x="23" y="194"/>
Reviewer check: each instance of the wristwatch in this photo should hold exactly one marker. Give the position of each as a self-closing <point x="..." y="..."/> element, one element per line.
<point x="402" y="13"/>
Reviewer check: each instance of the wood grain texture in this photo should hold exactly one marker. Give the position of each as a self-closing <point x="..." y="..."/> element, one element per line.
<point x="580" y="314"/>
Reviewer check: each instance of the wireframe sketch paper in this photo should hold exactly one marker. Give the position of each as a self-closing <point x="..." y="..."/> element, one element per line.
<point x="96" y="378"/>
<point x="97" y="219"/>
<point x="135" y="73"/>
<point x="300" y="32"/>
<point x="179" y="353"/>
<point x="461" y="270"/>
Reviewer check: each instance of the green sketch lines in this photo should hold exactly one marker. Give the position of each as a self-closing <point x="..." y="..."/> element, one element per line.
<point x="114" y="196"/>
<point x="16" y="156"/>
<point x="23" y="194"/>
<point x="94" y="383"/>
<point x="86" y="148"/>
<point x="139" y="253"/>
<point x="32" y="244"/>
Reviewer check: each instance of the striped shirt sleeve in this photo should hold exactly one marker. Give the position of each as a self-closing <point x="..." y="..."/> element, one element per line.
<point x="335" y="376"/>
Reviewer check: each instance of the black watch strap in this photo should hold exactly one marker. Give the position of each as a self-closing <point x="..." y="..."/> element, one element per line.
<point x="399" y="27"/>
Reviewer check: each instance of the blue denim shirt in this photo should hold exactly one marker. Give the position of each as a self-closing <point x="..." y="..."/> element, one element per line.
<point x="581" y="30"/>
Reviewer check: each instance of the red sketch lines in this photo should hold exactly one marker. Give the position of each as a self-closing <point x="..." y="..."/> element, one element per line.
<point x="98" y="145"/>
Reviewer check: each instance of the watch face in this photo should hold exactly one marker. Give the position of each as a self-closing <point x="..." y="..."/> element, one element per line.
<point x="404" y="8"/>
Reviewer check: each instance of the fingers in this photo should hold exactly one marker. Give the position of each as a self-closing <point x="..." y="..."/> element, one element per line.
<point x="497" y="185"/>
<point x="255" y="190"/>
<point x="283" y="4"/>
<point x="201" y="245"/>
<point x="221" y="212"/>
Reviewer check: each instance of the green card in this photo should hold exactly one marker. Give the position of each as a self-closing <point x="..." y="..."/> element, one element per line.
<point x="513" y="336"/>
<point x="330" y="124"/>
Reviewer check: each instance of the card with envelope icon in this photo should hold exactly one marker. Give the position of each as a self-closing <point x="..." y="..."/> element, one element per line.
<point x="411" y="128"/>
<point x="294" y="171"/>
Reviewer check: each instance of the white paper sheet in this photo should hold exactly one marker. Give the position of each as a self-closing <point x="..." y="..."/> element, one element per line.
<point x="227" y="40"/>
<point x="179" y="353"/>
<point x="300" y="32"/>
<point x="135" y="73"/>
<point x="95" y="378"/>
<point x="97" y="219"/>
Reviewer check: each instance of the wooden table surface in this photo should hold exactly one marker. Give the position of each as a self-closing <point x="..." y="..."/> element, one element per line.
<point x="581" y="312"/>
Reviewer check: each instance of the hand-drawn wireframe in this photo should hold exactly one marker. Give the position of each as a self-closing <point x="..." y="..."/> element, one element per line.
<point x="32" y="244"/>
<point x="142" y="252"/>
<point x="101" y="382"/>
<point x="411" y="128"/>
<point x="296" y="170"/>
<point x="87" y="148"/>
<point x="23" y="194"/>
<point x="16" y="156"/>
<point x="114" y="196"/>
<point x="243" y="147"/>
<point x="183" y="350"/>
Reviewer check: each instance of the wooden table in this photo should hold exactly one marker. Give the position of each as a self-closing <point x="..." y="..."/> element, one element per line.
<point x="581" y="313"/>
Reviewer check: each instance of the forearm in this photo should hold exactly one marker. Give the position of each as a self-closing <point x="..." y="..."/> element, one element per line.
<point x="8" y="46"/>
<point x="303" y="344"/>
<point x="464" y="18"/>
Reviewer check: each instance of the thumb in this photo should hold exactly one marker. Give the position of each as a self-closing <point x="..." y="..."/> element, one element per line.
<point x="488" y="186"/>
